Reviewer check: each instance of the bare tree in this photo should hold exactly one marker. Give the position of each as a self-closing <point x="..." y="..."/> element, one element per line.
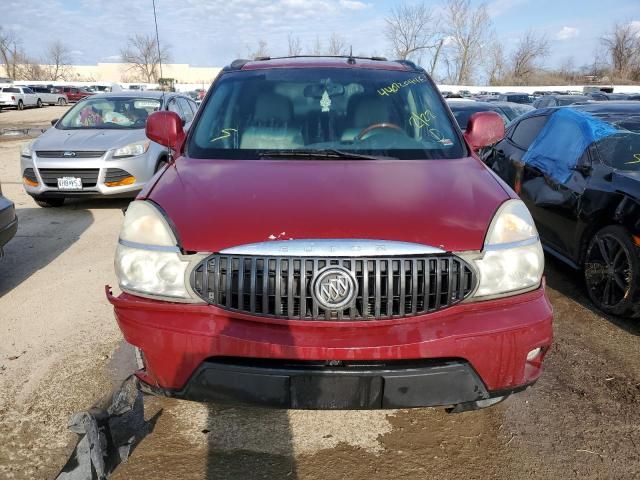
<point x="411" y="31"/>
<point x="261" y="50"/>
<point x="337" y="45"/>
<point x="623" y="46"/>
<point x="142" y="54"/>
<point x="295" y="48"/>
<point x="316" y="48"/>
<point x="530" y="50"/>
<point x="58" y="60"/>
<point x="467" y="31"/>
<point x="11" y="54"/>
<point x="495" y="63"/>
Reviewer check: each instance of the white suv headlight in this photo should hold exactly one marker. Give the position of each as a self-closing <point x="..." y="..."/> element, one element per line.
<point x="148" y="260"/>
<point x="512" y="260"/>
<point x="131" y="150"/>
<point x="26" y="151"/>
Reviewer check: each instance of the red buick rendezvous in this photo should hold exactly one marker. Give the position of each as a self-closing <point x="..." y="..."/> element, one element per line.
<point x="325" y="237"/>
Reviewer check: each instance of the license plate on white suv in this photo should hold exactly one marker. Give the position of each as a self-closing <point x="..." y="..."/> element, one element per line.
<point x="69" y="183"/>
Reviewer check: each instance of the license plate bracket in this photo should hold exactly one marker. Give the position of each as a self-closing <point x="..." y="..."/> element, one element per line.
<point x="69" y="183"/>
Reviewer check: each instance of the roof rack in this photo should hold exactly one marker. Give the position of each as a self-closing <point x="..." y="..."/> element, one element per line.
<point x="374" y="58"/>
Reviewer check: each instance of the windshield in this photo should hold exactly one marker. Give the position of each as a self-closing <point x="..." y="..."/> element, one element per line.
<point x="622" y="150"/>
<point x="109" y="112"/>
<point x="368" y="112"/>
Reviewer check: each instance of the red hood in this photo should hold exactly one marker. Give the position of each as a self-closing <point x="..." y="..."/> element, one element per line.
<point x="215" y="204"/>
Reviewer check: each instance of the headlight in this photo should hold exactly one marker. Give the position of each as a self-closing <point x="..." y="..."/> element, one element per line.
<point x="26" y="150"/>
<point x="132" y="150"/>
<point x="148" y="260"/>
<point x="512" y="260"/>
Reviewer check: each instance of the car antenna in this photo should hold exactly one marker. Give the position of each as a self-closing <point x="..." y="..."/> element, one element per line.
<point x="351" y="60"/>
<point x="155" y="20"/>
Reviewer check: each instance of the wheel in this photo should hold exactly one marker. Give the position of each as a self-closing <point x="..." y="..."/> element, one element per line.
<point x="20" y="105"/>
<point x="161" y="164"/>
<point x="39" y="103"/>
<point x="49" y="202"/>
<point x="612" y="271"/>
<point x="62" y="101"/>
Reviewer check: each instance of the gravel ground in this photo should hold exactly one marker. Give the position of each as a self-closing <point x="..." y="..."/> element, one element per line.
<point x="59" y="353"/>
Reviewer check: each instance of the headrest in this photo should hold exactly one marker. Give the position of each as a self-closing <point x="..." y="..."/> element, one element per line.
<point x="366" y="110"/>
<point x="271" y="107"/>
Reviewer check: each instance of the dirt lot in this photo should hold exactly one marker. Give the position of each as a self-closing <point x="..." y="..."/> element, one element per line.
<point x="60" y="352"/>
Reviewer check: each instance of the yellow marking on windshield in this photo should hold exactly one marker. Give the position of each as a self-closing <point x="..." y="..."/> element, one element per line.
<point x="396" y="87"/>
<point x="637" y="159"/>
<point x="226" y="133"/>
<point x="423" y="120"/>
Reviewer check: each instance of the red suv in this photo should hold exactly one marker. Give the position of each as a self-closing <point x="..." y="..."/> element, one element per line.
<point x="74" y="94"/>
<point x="326" y="237"/>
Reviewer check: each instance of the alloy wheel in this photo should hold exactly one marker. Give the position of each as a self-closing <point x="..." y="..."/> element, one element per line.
<point x="608" y="271"/>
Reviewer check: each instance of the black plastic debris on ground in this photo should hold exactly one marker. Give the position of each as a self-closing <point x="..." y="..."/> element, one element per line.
<point x="108" y="435"/>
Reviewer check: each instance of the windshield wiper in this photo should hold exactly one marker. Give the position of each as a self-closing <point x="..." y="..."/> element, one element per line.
<point x="326" y="153"/>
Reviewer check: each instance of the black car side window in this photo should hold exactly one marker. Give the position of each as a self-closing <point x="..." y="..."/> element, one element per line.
<point x="527" y="130"/>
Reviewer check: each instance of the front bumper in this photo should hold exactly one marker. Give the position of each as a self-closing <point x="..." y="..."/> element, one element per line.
<point x="141" y="167"/>
<point x="8" y="221"/>
<point x="464" y="353"/>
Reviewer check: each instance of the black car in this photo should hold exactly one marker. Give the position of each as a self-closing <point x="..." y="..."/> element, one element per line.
<point x="578" y="171"/>
<point x="8" y="221"/>
<point x="463" y="109"/>
<point x="515" y="98"/>
<point x="560" y="100"/>
<point x="513" y="110"/>
<point x="605" y="96"/>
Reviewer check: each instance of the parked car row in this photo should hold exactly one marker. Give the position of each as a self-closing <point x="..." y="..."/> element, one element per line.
<point x="20" y="97"/>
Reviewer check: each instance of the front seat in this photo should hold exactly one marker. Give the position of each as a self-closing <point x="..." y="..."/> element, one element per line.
<point x="271" y="126"/>
<point x="363" y="111"/>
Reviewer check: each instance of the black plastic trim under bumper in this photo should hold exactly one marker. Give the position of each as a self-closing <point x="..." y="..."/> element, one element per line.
<point x="447" y="383"/>
<point x="8" y="232"/>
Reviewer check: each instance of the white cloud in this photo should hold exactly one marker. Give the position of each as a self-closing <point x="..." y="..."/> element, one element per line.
<point x="567" y="33"/>
<point x="635" y="25"/>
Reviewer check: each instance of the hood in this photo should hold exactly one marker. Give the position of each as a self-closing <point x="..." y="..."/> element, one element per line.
<point x="89" y="139"/>
<point x="216" y="204"/>
<point x="627" y="182"/>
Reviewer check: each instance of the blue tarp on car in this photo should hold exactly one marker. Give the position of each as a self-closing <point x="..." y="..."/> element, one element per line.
<point x="563" y="140"/>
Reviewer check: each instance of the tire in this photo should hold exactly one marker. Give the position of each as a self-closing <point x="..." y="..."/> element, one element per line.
<point x="20" y="105"/>
<point x="49" y="202"/>
<point x="161" y="164"/>
<point x="612" y="271"/>
<point x="62" y="102"/>
<point x="39" y="103"/>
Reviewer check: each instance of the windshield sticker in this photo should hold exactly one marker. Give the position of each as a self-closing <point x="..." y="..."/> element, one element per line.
<point x="225" y="133"/>
<point x="325" y="102"/>
<point x="396" y="87"/>
<point x="636" y="159"/>
<point x="146" y="104"/>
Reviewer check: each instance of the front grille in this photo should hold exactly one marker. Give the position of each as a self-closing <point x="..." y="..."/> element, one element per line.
<point x="50" y="176"/>
<point x="69" y="154"/>
<point x="30" y="175"/>
<point x="116" y="175"/>
<point x="389" y="287"/>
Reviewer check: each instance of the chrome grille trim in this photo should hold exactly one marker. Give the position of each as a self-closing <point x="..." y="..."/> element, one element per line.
<point x="281" y="286"/>
<point x="332" y="248"/>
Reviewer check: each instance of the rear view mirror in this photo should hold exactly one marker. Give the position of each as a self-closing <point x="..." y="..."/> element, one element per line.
<point x="166" y="129"/>
<point x="54" y="121"/>
<point x="483" y="130"/>
<point x="318" y="90"/>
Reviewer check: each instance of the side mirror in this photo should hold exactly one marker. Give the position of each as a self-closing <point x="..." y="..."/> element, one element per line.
<point x="166" y="129"/>
<point x="54" y="121"/>
<point x="483" y="130"/>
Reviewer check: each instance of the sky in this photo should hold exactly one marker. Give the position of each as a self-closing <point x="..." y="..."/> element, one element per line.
<point x="214" y="32"/>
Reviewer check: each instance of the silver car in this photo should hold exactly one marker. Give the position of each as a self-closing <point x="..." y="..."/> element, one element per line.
<point x="99" y="148"/>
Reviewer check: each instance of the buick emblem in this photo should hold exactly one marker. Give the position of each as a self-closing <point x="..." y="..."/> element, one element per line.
<point x="335" y="288"/>
<point x="69" y="154"/>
